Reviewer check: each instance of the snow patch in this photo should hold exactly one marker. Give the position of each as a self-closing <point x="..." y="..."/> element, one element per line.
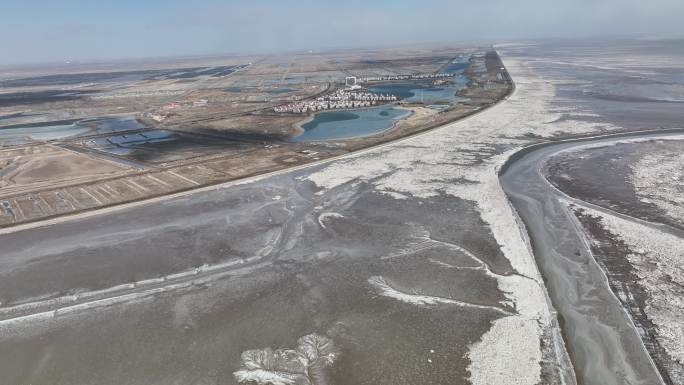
<point x="323" y="216"/>
<point x="502" y="357"/>
<point x="659" y="179"/>
<point x="306" y="364"/>
<point x="435" y="163"/>
<point x="384" y="288"/>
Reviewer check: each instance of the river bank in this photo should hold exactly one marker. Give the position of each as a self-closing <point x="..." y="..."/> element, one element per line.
<point x="577" y="285"/>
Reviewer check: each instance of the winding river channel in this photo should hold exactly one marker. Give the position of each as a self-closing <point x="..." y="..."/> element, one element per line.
<point x="602" y="341"/>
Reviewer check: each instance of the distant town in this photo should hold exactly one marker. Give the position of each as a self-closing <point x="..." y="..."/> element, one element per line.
<point x="355" y="96"/>
<point x="346" y="98"/>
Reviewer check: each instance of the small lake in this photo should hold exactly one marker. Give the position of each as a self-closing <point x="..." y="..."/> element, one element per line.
<point x="457" y="66"/>
<point x="422" y="91"/>
<point x="18" y="134"/>
<point x="330" y="125"/>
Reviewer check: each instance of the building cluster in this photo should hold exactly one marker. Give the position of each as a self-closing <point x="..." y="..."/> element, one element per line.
<point x="408" y="77"/>
<point x="340" y="99"/>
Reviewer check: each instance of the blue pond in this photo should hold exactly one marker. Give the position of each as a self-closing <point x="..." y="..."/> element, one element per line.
<point x="331" y="125"/>
<point x="457" y="65"/>
<point x="422" y="91"/>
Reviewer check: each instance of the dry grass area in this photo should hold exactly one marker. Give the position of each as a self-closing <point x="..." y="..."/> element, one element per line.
<point x="31" y="167"/>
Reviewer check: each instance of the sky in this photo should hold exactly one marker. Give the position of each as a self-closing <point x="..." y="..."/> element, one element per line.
<point x="33" y="31"/>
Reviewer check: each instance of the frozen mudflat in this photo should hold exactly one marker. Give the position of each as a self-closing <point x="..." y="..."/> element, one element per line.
<point x="659" y="178"/>
<point x="403" y="264"/>
<point x="625" y="199"/>
<point x="654" y="259"/>
<point x="636" y="177"/>
<point x="626" y="191"/>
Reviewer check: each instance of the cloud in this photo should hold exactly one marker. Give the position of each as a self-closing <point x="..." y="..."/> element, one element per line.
<point x="81" y="30"/>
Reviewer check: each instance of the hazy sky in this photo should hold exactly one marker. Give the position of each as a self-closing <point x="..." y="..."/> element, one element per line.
<point x="43" y="31"/>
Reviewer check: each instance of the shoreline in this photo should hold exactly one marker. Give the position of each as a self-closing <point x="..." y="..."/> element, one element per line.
<point x="410" y="106"/>
<point x="343" y="148"/>
<point x="310" y="118"/>
<point x="105" y="209"/>
<point x="573" y="328"/>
